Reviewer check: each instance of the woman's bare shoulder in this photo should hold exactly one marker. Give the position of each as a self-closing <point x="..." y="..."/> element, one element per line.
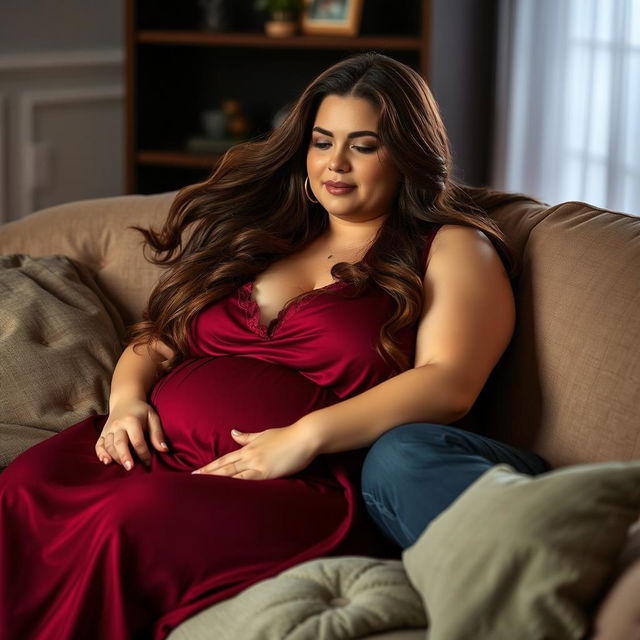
<point x="455" y="242"/>
<point x="457" y="233"/>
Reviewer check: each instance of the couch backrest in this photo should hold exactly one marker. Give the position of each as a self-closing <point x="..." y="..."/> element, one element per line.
<point x="568" y="385"/>
<point x="96" y="233"/>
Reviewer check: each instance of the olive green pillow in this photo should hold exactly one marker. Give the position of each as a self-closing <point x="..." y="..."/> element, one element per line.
<point x="525" y="557"/>
<point x="60" y="339"/>
<point x="331" y="598"/>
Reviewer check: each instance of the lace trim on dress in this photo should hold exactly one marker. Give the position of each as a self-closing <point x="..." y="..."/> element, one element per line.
<point x="252" y="309"/>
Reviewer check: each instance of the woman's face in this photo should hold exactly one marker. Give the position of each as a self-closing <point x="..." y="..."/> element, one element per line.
<point x="350" y="172"/>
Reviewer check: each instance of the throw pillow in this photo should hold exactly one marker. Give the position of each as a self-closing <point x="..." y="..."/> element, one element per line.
<point x="337" y="598"/>
<point x="59" y="341"/>
<point x="524" y="557"/>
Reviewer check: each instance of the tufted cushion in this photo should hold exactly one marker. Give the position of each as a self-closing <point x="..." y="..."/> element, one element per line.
<point x="59" y="342"/>
<point x="517" y="556"/>
<point x="332" y="598"/>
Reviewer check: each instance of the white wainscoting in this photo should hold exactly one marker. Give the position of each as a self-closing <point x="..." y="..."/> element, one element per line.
<point x="33" y="162"/>
<point x="54" y="106"/>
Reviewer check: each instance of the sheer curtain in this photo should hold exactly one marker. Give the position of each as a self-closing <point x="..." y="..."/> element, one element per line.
<point x="568" y="103"/>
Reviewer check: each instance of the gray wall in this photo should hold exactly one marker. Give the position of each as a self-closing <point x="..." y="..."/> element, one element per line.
<point x="59" y="25"/>
<point x="462" y="79"/>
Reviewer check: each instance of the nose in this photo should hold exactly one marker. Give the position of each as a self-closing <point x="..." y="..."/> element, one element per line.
<point x="339" y="162"/>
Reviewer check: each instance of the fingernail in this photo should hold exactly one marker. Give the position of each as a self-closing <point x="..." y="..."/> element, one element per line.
<point x="236" y="432"/>
<point x="105" y="460"/>
<point x="196" y="471"/>
<point x="128" y="465"/>
<point x="164" y="445"/>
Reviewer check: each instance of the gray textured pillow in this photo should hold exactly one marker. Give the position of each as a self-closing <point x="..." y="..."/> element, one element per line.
<point x="517" y="556"/>
<point x="59" y="341"/>
<point x="328" y="598"/>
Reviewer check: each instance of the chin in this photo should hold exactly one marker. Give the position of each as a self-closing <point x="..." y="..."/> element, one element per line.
<point x="339" y="209"/>
<point x="340" y="213"/>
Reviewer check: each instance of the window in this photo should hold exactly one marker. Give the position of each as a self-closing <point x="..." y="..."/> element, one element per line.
<point x="569" y="101"/>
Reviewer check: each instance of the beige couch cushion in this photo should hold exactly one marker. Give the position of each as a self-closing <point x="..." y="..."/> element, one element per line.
<point x="526" y="557"/>
<point x="97" y="233"/>
<point x="332" y="598"/>
<point x="59" y="339"/>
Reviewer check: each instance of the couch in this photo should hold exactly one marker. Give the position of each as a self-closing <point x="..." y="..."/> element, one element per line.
<point x="567" y="387"/>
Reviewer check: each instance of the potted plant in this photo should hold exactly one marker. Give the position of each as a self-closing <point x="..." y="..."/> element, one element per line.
<point x="284" y="16"/>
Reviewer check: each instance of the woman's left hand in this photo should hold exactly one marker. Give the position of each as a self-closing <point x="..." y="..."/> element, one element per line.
<point x="272" y="453"/>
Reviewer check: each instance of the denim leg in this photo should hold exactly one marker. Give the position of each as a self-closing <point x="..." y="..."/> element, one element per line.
<point x="415" y="471"/>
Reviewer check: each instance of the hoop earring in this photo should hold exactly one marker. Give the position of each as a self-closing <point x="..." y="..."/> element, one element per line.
<point x="306" y="191"/>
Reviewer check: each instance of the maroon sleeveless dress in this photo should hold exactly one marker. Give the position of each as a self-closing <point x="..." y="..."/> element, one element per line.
<point x="95" y="551"/>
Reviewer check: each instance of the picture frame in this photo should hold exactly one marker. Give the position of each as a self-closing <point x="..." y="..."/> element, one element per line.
<point x="332" y="17"/>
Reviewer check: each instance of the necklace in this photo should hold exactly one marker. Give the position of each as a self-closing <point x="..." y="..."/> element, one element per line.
<point x="334" y="251"/>
<point x="348" y="249"/>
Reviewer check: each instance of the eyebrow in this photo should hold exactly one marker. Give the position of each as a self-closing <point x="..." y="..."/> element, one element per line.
<point x="353" y="134"/>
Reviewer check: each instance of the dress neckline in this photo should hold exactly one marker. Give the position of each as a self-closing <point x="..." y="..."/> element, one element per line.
<point x="248" y="302"/>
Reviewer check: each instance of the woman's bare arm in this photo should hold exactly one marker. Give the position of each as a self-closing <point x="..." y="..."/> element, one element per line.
<point x="467" y="322"/>
<point x="137" y="370"/>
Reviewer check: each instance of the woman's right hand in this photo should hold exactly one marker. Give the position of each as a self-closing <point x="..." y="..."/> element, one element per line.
<point x="127" y="423"/>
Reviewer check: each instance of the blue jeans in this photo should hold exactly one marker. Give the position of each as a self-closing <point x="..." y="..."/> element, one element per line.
<point x="415" y="471"/>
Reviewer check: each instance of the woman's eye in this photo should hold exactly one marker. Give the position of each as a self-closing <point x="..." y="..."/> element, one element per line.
<point x="362" y="149"/>
<point x="319" y="144"/>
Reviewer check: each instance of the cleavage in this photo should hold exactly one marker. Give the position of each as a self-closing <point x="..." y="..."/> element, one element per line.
<point x="290" y="277"/>
<point x="274" y="288"/>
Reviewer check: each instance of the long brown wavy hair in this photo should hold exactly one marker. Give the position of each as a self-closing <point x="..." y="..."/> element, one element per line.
<point x="252" y="210"/>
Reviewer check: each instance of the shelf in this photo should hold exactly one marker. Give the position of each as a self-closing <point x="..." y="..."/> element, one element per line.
<point x="261" y="41"/>
<point x="177" y="158"/>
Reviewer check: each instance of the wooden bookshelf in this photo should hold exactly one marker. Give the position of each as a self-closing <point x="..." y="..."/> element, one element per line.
<point x="260" y="41"/>
<point x="177" y="159"/>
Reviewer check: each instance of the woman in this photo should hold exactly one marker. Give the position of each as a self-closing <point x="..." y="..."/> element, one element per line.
<point x="324" y="285"/>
